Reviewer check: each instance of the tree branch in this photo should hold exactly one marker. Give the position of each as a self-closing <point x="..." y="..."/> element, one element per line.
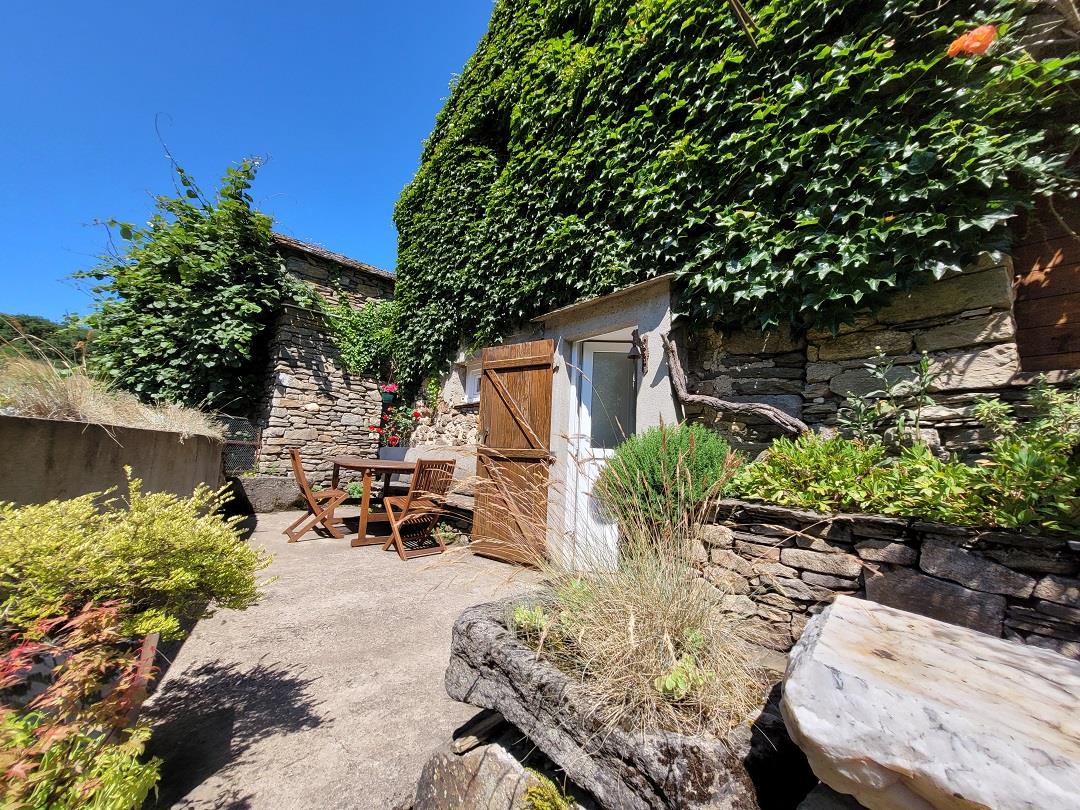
<point x="678" y="381"/>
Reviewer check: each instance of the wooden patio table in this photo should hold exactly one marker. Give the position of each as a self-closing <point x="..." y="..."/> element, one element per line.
<point x="370" y="467"/>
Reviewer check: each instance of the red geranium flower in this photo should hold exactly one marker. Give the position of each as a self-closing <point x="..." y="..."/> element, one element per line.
<point x="393" y="441"/>
<point x="974" y="42"/>
<point x="416" y="414"/>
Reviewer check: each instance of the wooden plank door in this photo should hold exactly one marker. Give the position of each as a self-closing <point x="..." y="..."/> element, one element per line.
<point x="1046" y="263"/>
<point x="513" y="451"/>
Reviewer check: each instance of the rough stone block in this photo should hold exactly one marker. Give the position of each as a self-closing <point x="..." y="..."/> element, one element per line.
<point x="488" y="777"/>
<point x="992" y="367"/>
<point x="885" y="551"/>
<point x="992" y="328"/>
<point x="717" y="536"/>
<point x="986" y="288"/>
<point x="774" y="569"/>
<point x="726" y="580"/>
<point x="970" y="570"/>
<point x="865" y="345"/>
<point x="830" y="582"/>
<point x="837" y="564"/>
<point x="732" y="561"/>
<point x="905" y="589"/>
<point x="757" y="551"/>
<point x="820" y="372"/>
<point x="1063" y="590"/>
<point x="824" y="797"/>
<point x="756" y="343"/>
<point x="904" y="712"/>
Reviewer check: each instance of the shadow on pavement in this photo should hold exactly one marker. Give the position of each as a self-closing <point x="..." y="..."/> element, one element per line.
<point x="206" y="719"/>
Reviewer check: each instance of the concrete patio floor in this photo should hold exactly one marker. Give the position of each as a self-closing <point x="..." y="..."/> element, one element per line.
<point x="329" y="693"/>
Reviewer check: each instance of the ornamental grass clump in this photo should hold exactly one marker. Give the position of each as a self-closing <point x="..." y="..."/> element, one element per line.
<point x="644" y="634"/>
<point x="165" y="559"/>
<point x="45" y="389"/>
<point x="666" y="474"/>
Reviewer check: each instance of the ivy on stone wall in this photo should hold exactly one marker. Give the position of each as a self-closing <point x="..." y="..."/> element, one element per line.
<point x="593" y="143"/>
<point x="182" y="311"/>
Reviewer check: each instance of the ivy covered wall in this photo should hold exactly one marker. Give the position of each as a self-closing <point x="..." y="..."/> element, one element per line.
<point x="789" y="174"/>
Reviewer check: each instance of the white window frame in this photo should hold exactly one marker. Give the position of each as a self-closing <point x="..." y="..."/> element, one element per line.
<point x="471" y="382"/>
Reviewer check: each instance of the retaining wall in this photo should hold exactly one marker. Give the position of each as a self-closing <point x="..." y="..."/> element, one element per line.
<point x="50" y="459"/>
<point x="779" y="566"/>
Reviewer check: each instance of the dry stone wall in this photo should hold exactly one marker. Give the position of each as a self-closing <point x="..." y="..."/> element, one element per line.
<point x="312" y="402"/>
<point x="964" y="323"/>
<point x="778" y="566"/>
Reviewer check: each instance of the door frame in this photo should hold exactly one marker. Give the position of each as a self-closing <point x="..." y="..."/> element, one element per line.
<point x="577" y="499"/>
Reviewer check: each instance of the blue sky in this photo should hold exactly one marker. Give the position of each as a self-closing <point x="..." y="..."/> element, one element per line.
<point x="338" y="96"/>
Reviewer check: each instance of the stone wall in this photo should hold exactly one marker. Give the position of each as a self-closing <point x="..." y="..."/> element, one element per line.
<point x="311" y="401"/>
<point x="779" y="566"/>
<point x="964" y="324"/>
<point x="454" y="421"/>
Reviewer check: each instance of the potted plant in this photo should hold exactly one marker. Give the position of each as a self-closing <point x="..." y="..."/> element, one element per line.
<point x="396" y="425"/>
<point x="389" y="392"/>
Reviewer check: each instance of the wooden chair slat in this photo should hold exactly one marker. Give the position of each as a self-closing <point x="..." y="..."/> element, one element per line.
<point x="413" y="516"/>
<point x="320" y="504"/>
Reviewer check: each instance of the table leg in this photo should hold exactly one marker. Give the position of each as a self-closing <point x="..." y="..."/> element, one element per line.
<point x="361" y="538"/>
<point x="333" y="485"/>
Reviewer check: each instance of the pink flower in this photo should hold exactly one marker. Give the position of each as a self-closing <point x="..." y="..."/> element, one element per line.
<point x="389" y="388"/>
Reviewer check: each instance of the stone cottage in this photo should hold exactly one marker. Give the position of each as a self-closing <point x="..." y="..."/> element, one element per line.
<point x="311" y="401"/>
<point x="989" y="330"/>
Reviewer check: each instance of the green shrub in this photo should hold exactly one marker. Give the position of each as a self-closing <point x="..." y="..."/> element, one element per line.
<point x="163" y="557"/>
<point x="1030" y="475"/>
<point x="813" y="472"/>
<point x="1032" y="471"/>
<point x="666" y="474"/>
<point x="182" y="312"/>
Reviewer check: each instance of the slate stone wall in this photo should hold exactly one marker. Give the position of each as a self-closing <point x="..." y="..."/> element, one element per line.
<point x="779" y="566"/>
<point x="964" y="323"/>
<point x="311" y="402"/>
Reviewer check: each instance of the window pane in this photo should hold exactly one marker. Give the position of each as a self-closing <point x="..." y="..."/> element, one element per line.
<point x="612" y="407"/>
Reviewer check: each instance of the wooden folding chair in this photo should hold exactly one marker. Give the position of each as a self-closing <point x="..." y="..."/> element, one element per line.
<point x="320" y="504"/>
<point x="413" y="516"/>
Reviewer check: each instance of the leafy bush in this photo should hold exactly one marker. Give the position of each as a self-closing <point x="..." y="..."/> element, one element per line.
<point x="1032" y="471"/>
<point x="793" y="176"/>
<point x="1030" y="475"/>
<point x="182" y="313"/>
<point x="162" y="557"/>
<point x="666" y="474"/>
<point x="64" y="340"/>
<point x="71" y="745"/>
<point x="365" y="336"/>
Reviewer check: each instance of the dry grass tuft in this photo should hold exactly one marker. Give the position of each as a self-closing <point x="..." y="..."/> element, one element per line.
<point x="45" y="389"/>
<point x="644" y="635"/>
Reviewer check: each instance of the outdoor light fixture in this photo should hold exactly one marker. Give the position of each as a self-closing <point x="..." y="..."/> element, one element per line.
<point x="638" y="351"/>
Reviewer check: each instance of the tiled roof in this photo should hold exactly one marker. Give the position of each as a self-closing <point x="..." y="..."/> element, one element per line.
<point x="330" y="256"/>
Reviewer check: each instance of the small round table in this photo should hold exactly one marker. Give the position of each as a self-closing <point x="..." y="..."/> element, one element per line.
<point x="370" y="467"/>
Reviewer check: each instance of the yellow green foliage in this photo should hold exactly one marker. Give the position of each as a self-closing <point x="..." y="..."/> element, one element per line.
<point x="544" y="794"/>
<point x="163" y="557"/>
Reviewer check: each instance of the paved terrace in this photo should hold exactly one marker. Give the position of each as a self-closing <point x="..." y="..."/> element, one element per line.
<point x="329" y="693"/>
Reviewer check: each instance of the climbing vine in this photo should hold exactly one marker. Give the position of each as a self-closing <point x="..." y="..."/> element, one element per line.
<point x="838" y="154"/>
<point x="182" y="311"/>
<point x="364" y="336"/>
